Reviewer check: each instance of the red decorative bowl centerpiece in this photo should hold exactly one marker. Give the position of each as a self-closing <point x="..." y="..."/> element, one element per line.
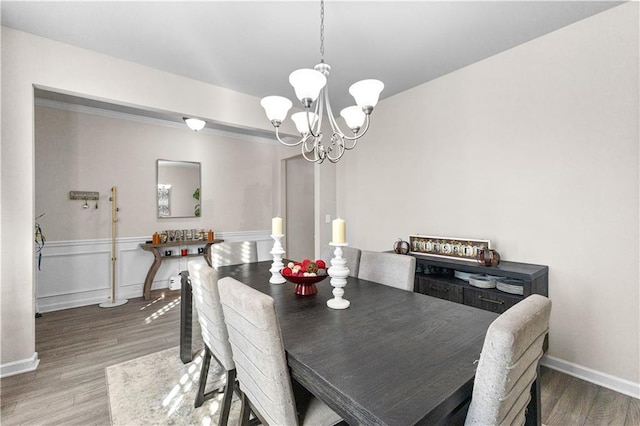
<point x="305" y="275"/>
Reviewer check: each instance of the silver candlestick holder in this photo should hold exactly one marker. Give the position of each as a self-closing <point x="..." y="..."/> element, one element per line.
<point x="338" y="273"/>
<point x="277" y="251"/>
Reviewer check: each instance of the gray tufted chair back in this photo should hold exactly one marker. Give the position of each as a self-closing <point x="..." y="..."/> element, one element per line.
<point x="204" y="284"/>
<point x="508" y="364"/>
<point x="394" y="270"/>
<point x="258" y="351"/>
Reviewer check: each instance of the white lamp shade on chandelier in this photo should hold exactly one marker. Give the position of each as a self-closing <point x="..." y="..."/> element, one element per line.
<point x="366" y="92"/>
<point x="307" y="84"/>
<point x="276" y="108"/>
<point x="353" y="116"/>
<point x="195" y="124"/>
<point x="311" y="88"/>
<point x="304" y="120"/>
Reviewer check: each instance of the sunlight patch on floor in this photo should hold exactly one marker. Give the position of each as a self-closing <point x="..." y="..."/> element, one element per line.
<point x="186" y="383"/>
<point x="162" y="310"/>
<point x="153" y="302"/>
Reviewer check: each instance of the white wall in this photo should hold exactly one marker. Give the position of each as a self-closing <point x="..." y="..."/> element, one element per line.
<point x="29" y="60"/>
<point x="535" y="149"/>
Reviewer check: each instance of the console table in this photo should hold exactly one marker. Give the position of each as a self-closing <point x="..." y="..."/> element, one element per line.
<point x="158" y="257"/>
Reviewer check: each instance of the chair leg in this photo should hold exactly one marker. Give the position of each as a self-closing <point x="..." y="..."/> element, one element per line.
<point x="204" y="372"/>
<point x="245" y="411"/>
<point x="228" y="396"/>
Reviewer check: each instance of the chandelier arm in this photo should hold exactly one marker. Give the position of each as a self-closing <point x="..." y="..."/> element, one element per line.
<point x="337" y="158"/>
<point x="309" y="145"/>
<point x="334" y="125"/>
<point x="304" y="155"/>
<point x="317" y="133"/>
<point x="332" y="121"/>
<point x="316" y="158"/>
<point x="319" y="111"/>
<point x="321" y="153"/>
<point x="338" y="143"/>
<point x="355" y="142"/>
<point x="302" y="139"/>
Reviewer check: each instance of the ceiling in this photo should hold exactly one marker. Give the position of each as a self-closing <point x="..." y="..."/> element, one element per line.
<point x="252" y="47"/>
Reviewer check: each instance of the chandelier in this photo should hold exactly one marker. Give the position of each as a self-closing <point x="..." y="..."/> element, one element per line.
<point x="312" y="90"/>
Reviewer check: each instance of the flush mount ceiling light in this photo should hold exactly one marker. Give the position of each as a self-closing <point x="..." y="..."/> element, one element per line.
<point x="194" y="124"/>
<point x="311" y="88"/>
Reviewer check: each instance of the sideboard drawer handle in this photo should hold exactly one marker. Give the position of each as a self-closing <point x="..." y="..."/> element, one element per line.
<point x="433" y="287"/>
<point x="497" y="302"/>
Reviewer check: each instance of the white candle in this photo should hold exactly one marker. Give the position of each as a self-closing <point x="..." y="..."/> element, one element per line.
<point x="276" y="226"/>
<point x="339" y="231"/>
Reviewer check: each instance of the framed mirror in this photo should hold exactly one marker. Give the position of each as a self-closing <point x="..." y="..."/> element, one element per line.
<point x="178" y="188"/>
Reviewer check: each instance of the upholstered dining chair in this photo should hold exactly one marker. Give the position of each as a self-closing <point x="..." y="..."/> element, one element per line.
<point x="204" y="284"/>
<point x="394" y="270"/>
<point x="258" y="352"/>
<point x="509" y="363"/>
<point x="350" y="254"/>
<point x="234" y="253"/>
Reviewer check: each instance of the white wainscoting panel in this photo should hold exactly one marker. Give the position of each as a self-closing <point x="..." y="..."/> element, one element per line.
<point x="78" y="273"/>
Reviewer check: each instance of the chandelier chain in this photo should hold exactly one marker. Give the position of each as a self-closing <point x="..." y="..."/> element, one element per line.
<point x="322" y="30"/>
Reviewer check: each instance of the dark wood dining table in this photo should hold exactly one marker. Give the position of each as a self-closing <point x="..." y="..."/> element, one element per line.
<point x="393" y="357"/>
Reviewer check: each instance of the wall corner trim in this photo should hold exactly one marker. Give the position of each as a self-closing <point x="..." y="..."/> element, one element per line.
<point x="19" y="367"/>
<point x="599" y="378"/>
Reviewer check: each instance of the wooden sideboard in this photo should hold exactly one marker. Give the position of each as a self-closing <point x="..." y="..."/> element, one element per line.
<point x="159" y="257"/>
<point x="435" y="277"/>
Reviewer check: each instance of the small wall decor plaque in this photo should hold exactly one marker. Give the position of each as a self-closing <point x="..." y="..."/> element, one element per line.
<point x="451" y="248"/>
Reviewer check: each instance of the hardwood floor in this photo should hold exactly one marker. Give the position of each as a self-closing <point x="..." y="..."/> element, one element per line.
<point x="567" y="400"/>
<point x="75" y="346"/>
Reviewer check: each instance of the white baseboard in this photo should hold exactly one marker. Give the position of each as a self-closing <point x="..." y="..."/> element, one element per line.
<point x="593" y="376"/>
<point x="19" y="367"/>
<point x="59" y="303"/>
<point x="76" y="300"/>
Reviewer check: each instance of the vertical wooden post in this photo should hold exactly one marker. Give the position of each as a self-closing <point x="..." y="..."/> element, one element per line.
<point x="113" y="302"/>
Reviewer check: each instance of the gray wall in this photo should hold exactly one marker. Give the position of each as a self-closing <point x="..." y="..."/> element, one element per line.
<point x="89" y="152"/>
<point x="29" y="61"/>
